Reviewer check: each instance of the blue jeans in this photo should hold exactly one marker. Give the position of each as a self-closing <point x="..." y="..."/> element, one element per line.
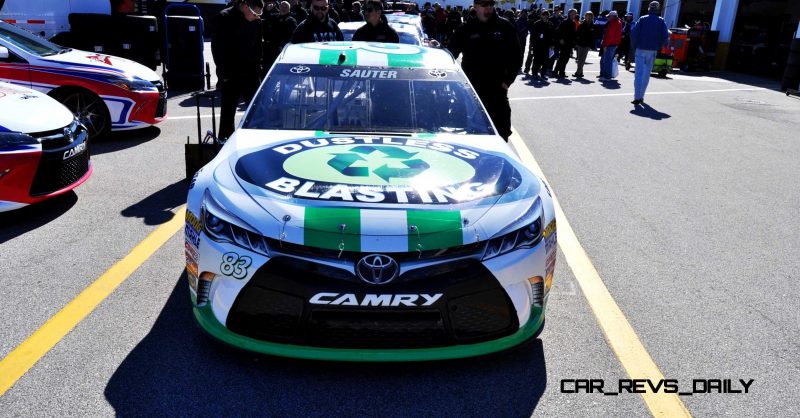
<point x="644" y="66"/>
<point x="607" y="60"/>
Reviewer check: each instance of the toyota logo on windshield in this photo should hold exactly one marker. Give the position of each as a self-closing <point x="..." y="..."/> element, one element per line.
<point x="377" y="269"/>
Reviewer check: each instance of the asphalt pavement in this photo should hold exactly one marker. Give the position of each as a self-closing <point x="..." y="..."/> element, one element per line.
<point x="686" y="206"/>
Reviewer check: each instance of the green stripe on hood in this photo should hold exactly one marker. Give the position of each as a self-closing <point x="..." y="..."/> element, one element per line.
<point x="322" y="228"/>
<point x="434" y="229"/>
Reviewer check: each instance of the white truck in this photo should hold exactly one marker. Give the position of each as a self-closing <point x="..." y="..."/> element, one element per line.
<point x="48" y="17"/>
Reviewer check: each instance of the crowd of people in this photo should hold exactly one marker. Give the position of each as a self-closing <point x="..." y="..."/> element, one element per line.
<point x="250" y="34"/>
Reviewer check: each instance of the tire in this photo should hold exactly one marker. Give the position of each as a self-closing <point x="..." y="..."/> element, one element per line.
<point x="89" y="108"/>
<point x="662" y="73"/>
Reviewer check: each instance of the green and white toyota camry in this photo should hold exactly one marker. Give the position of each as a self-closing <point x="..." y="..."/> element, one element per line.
<point x="365" y="210"/>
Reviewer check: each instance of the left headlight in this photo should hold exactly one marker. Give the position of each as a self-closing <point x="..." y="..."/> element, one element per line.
<point x="221" y="226"/>
<point x="526" y="236"/>
<point x="134" y="84"/>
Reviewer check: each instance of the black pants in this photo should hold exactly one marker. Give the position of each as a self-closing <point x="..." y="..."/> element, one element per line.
<point x="496" y="102"/>
<point x="563" y="58"/>
<point x="232" y="90"/>
<point x="540" y="61"/>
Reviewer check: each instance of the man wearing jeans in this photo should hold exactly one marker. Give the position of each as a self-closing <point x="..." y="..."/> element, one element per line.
<point x="648" y="36"/>
<point x="612" y="36"/>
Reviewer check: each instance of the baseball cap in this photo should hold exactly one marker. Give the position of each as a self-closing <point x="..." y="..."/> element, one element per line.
<point x="613" y="13"/>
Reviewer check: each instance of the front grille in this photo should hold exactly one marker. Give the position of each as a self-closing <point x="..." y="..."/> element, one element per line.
<point x="55" y="173"/>
<point x="274" y="306"/>
<point x="377" y="329"/>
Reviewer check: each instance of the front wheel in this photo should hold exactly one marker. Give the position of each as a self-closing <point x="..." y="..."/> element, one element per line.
<point x="90" y="110"/>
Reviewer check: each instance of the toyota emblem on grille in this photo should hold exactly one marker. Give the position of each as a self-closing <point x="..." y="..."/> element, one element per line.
<point x="377" y="269"/>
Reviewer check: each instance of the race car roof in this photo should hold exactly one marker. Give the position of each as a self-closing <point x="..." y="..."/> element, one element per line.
<point x="367" y="54"/>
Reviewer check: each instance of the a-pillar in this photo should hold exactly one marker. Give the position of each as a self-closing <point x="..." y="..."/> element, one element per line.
<point x="671" y="10"/>
<point x="724" y="18"/>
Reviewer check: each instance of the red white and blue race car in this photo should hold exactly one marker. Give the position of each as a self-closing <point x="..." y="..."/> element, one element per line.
<point x="103" y="91"/>
<point x="40" y="157"/>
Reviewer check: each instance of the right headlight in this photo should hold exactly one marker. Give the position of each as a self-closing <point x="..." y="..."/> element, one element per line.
<point x="218" y="224"/>
<point x="526" y="236"/>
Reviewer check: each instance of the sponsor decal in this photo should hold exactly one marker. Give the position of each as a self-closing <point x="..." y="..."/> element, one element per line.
<point x="366" y="73"/>
<point x="105" y="59"/>
<point x="191" y="252"/>
<point x="381" y="300"/>
<point x="194" y="179"/>
<point x="75" y="151"/>
<point x="235" y="265"/>
<point x="551" y="249"/>
<point x="378" y="170"/>
<point x="191" y="231"/>
<point x="192" y="279"/>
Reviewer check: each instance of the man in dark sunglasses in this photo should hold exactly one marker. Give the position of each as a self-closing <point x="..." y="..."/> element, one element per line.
<point x="375" y="30"/>
<point x="237" y="48"/>
<point x="491" y="60"/>
<point x="318" y="27"/>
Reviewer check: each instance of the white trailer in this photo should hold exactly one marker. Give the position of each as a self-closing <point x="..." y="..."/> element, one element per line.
<point x="48" y="17"/>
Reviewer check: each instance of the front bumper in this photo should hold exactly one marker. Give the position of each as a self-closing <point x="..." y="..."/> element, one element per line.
<point x="206" y="319"/>
<point x="485" y="306"/>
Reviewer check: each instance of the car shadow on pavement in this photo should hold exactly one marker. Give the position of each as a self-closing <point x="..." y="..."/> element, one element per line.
<point x="646" y="111"/>
<point x="156" y="209"/>
<point x="118" y="141"/>
<point x="21" y="221"/>
<point x="178" y="371"/>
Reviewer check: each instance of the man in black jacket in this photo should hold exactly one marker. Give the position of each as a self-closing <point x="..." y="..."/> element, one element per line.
<point x="491" y="60"/>
<point x="375" y="30"/>
<point x="237" y="47"/>
<point x="278" y="31"/>
<point x="318" y="27"/>
<point x="566" y="41"/>
<point x="541" y="41"/>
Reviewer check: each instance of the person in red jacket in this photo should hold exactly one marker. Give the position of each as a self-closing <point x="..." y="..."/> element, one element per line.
<point x="611" y="39"/>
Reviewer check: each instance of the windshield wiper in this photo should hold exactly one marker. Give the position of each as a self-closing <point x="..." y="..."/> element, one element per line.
<point x="64" y="50"/>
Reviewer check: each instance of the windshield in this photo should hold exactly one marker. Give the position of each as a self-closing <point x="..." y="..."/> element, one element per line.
<point x="367" y="99"/>
<point x="28" y="41"/>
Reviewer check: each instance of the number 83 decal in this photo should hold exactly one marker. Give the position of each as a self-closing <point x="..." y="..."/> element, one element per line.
<point x="235" y="265"/>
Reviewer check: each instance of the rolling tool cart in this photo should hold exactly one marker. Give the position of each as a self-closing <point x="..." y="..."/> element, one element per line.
<point x="199" y="154"/>
<point x="183" y="52"/>
<point x="663" y="62"/>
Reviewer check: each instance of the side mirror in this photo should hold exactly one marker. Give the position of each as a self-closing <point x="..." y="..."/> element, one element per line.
<point x="3" y="53"/>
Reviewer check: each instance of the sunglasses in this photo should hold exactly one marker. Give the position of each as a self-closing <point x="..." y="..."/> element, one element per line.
<point x="257" y="14"/>
<point x="371" y="9"/>
<point x="485" y="3"/>
<point x="320" y="8"/>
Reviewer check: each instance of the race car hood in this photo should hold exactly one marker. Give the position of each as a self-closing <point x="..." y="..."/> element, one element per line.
<point x="104" y="63"/>
<point x="24" y="110"/>
<point x="388" y="192"/>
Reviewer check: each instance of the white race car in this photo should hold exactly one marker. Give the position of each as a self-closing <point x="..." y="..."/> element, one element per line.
<point x="365" y="210"/>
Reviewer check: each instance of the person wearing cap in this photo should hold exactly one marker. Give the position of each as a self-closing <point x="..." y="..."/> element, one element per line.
<point x="612" y="36"/>
<point x="491" y="60"/>
<point x="566" y="33"/>
<point x="237" y="47"/>
<point x="317" y="27"/>
<point x="648" y="36"/>
<point x="375" y="30"/>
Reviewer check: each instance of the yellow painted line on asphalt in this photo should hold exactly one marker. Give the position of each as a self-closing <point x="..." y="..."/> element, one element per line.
<point x="618" y="331"/>
<point x="19" y="361"/>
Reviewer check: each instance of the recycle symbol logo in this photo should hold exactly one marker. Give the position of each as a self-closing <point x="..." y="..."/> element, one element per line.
<point x="398" y="162"/>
